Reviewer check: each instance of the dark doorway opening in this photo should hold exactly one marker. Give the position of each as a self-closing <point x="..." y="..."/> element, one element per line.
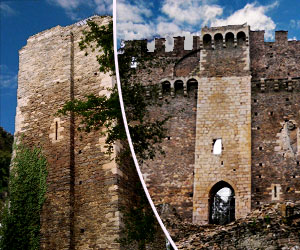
<point x="221" y="204"/>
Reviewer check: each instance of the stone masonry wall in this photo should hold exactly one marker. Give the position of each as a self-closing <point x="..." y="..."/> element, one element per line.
<point x="169" y="177"/>
<point x="275" y="142"/>
<point x="96" y="192"/>
<point x="223" y="112"/>
<point x="87" y="189"/>
<point x="274" y="60"/>
<point x="82" y="206"/>
<point x="35" y="119"/>
<point x="275" y="118"/>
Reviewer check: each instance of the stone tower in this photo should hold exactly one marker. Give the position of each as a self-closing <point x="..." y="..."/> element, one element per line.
<point x="223" y="115"/>
<point x="86" y="188"/>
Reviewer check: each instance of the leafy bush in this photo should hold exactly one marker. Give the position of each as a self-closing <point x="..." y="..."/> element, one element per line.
<point x="27" y="187"/>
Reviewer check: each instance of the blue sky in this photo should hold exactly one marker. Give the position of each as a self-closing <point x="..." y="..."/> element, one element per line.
<point x="137" y="19"/>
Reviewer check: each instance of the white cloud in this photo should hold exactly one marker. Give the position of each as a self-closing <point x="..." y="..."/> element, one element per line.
<point x="191" y="11"/>
<point x="165" y="28"/>
<point x="254" y="15"/>
<point x="133" y="20"/>
<point x="133" y="13"/>
<point x="67" y="4"/>
<point x="104" y="6"/>
<point x="101" y="7"/>
<point x="133" y="23"/>
<point x="6" y="9"/>
<point x="131" y="31"/>
<point x="295" y="24"/>
<point x="8" y="79"/>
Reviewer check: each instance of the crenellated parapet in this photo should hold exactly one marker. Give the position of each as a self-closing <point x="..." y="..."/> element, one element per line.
<point x="274" y="60"/>
<point x="160" y="46"/>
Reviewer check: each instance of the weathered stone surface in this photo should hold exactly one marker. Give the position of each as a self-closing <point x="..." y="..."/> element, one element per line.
<point x="86" y="188"/>
<point x="231" y="86"/>
<point x="264" y="228"/>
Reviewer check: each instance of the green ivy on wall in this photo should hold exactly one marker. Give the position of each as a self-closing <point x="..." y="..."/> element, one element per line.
<point x="20" y="229"/>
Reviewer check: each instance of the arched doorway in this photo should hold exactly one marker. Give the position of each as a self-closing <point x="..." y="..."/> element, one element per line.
<point x="221" y="204"/>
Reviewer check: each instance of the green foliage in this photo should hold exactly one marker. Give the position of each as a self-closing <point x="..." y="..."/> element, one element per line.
<point x="104" y="114"/>
<point x="27" y="188"/>
<point x="140" y="226"/>
<point x="101" y="38"/>
<point x="6" y="141"/>
<point x="267" y="219"/>
<point x="98" y="112"/>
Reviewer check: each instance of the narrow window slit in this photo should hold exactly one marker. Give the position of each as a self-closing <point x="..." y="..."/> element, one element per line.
<point x="275" y="191"/>
<point x="56" y="130"/>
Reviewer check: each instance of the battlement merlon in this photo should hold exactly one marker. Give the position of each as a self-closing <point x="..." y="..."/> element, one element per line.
<point x="225" y="32"/>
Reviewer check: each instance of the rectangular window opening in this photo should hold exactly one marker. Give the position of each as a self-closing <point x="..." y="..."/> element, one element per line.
<point x="275" y="191"/>
<point x="217" y="146"/>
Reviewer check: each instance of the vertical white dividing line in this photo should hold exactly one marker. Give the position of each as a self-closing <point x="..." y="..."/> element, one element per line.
<point x="127" y="130"/>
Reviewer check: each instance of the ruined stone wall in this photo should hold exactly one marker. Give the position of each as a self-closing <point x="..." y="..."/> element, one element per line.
<point x="96" y="191"/>
<point x="275" y="118"/>
<point x="231" y="59"/>
<point x="275" y="141"/>
<point x="274" y="60"/>
<point x="169" y="177"/>
<point x="35" y="119"/>
<point x="224" y="70"/>
<point x="82" y="209"/>
<point x="87" y="190"/>
<point x="269" y="227"/>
